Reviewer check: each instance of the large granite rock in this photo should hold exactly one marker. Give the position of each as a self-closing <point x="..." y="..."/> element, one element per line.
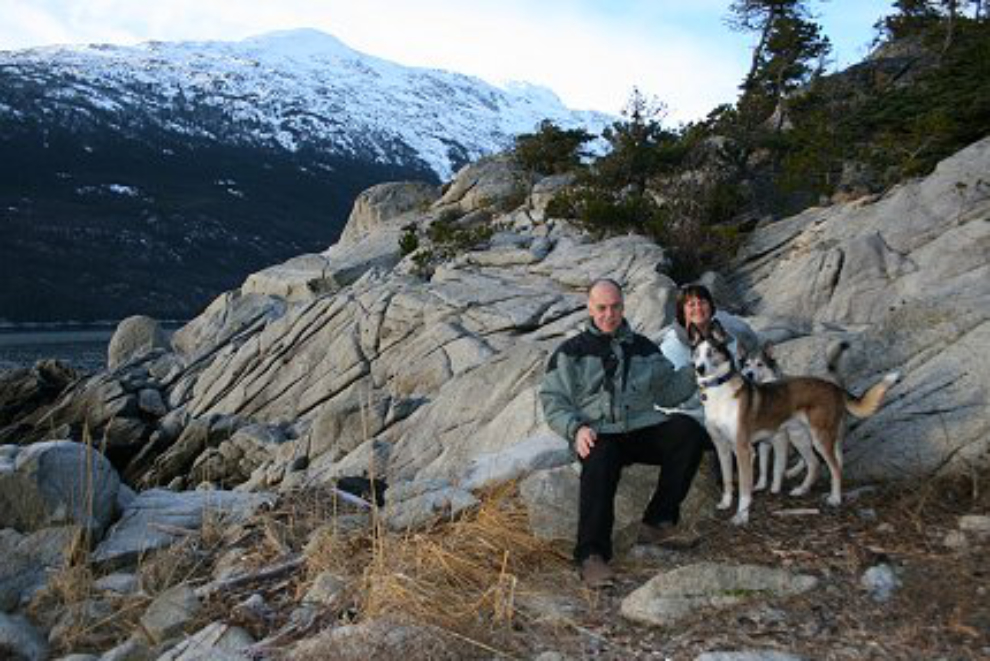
<point x="55" y="483"/>
<point x="692" y="590"/>
<point x="134" y="337"/>
<point x="158" y="518"/>
<point x="28" y="561"/>
<point x="905" y="278"/>
<point x="26" y="393"/>
<point x="389" y="205"/>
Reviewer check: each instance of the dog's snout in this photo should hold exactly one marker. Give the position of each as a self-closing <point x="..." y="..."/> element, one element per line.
<point x="700" y="369"/>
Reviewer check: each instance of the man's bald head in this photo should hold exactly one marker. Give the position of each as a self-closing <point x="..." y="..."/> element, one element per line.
<point x="605" y="305"/>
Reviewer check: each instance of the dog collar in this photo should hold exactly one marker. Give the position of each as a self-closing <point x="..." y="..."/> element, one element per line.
<point x="713" y="383"/>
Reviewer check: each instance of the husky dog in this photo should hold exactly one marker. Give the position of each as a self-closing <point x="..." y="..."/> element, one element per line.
<point x="760" y="366"/>
<point x="739" y="413"/>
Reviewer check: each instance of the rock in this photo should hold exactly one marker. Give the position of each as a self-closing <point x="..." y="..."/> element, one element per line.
<point x="411" y="505"/>
<point x="876" y="269"/>
<point x="496" y="181"/>
<point x="228" y="318"/>
<point x="135" y="336"/>
<point x="551" y="500"/>
<point x="133" y="649"/>
<point x="378" y="639"/>
<point x="976" y="524"/>
<point x="387" y="205"/>
<point x="956" y="540"/>
<point x="79" y="616"/>
<point x="545" y="190"/>
<point x="158" y="518"/>
<point x="20" y="640"/>
<point x="120" y="583"/>
<point x="170" y="613"/>
<point x="215" y="642"/>
<point x="693" y="589"/>
<point x="57" y="482"/>
<point x="327" y="590"/>
<point x="749" y="655"/>
<point x="26" y="393"/>
<point x="150" y="401"/>
<point x="234" y="460"/>
<point x="28" y="561"/>
<point x="880" y="581"/>
<point x="534" y="453"/>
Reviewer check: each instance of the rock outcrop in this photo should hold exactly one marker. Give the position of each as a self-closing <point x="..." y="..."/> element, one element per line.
<point x="906" y="279"/>
<point x="360" y="366"/>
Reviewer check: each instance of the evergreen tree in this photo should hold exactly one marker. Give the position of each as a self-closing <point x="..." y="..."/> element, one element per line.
<point x="551" y="150"/>
<point x="791" y="48"/>
<point x="641" y="147"/>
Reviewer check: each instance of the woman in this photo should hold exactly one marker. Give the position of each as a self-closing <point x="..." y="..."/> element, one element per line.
<point x="695" y="305"/>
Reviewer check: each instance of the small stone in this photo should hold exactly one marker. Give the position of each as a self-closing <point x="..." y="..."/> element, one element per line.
<point x="977" y="524"/>
<point x="956" y="540"/>
<point x="881" y="581"/>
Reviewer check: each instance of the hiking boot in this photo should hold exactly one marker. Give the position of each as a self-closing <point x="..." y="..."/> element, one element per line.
<point x="668" y="536"/>
<point x="595" y="572"/>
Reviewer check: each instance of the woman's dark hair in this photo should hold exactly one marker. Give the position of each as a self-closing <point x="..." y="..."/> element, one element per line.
<point x="692" y="291"/>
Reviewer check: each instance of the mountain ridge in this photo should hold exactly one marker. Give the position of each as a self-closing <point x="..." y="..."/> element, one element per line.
<point x="147" y="179"/>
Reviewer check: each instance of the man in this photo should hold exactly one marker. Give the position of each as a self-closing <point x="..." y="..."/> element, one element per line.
<point x="599" y="393"/>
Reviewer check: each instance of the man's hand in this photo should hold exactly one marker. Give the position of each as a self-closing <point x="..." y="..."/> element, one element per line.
<point x="584" y="440"/>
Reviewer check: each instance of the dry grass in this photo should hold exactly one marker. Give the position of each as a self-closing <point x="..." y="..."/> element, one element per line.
<point x="462" y="576"/>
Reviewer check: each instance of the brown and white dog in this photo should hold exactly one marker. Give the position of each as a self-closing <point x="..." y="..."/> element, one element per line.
<point x="739" y="413"/>
<point x="761" y="366"/>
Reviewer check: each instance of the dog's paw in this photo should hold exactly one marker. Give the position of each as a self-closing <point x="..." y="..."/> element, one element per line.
<point x="741" y="518"/>
<point x="834" y="500"/>
<point x="799" y="491"/>
<point x="725" y="503"/>
<point x="759" y="486"/>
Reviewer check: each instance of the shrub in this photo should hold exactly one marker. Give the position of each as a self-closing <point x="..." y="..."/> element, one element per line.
<point x="409" y="241"/>
<point x="551" y="150"/>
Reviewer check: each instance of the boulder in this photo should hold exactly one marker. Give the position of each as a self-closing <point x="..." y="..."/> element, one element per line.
<point x="551" y="500"/>
<point x="389" y="205"/>
<point x="492" y="182"/>
<point x="25" y="393"/>
<point x="57" y="482"/>
<point x="379" y="639"/>
<point x="875" y="271"/>
<point x="135" y="336"/>
<point x="170" y="614"/>
<point x="694" y="589"/>
<point x="158" y="518"/>
<point x="215" y="642"/>
<point x="28" y="561"/>
<point x="20" y="640"/>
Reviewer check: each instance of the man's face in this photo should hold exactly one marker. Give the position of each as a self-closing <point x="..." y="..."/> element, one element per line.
<point x="605" y="307"/>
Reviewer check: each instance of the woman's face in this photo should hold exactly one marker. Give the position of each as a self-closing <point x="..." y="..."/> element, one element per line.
<point x="697" y="311"/>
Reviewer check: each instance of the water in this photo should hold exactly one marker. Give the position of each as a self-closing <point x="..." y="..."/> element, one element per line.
<point x="84" y="348"/>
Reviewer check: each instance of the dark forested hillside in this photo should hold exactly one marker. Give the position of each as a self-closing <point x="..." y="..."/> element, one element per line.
<point x="100" y="225"/>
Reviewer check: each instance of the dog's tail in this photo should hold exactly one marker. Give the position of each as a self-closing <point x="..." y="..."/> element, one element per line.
<point x="832" y="359"/>
<point x="867" y="405"/>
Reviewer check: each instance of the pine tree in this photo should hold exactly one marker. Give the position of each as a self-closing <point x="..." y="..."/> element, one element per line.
<point x="791" y="48"/>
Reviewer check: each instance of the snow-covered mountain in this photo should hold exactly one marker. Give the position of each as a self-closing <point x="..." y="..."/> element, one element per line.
<point x="147" y="179"/>
<point x="296" y="89"/>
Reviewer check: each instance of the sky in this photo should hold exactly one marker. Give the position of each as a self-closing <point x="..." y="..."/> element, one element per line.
<point x="590" y="52"/>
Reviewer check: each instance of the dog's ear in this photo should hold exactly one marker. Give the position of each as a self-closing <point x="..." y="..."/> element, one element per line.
<point x="695" y="336"/>
<point x="768" y="349"/>
<point x="717" y="332"/>
<point x="742" y="351"/>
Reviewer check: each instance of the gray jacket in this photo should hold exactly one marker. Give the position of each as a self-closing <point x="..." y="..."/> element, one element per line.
<point x="611" y="383"/>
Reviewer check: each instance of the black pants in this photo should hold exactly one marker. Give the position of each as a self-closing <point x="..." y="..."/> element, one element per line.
<point x="676" y="445"/>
